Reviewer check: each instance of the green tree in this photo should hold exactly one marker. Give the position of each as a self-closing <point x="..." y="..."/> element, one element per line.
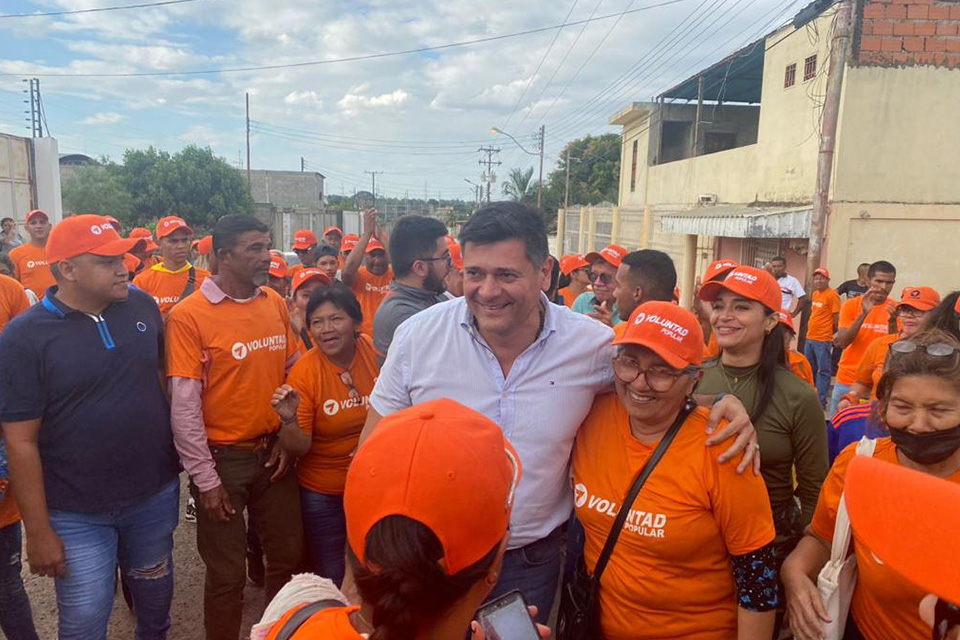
<point x="520" y="186"/>
<point x="98" y="189"/>
<point x="594" y="175"/>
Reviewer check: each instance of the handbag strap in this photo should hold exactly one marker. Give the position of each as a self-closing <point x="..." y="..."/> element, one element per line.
<point x="191" y="283"/>
<point x="297" y="620"/>
<point x="840" y="546"/>
<point x="638" y="483"/>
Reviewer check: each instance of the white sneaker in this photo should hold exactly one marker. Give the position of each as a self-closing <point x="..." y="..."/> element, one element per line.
<point x="190" y="513"/>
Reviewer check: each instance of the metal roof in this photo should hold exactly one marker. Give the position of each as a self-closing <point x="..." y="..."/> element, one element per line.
<point x="736" y="78"/>
<point x="740" y="221"/>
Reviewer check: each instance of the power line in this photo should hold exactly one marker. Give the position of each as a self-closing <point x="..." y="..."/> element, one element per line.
<point x="411" y="144"/>
<point x="94" y="9"/>
<point x="369" y="56"/>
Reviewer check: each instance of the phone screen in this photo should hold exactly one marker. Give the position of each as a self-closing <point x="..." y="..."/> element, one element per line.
<point x="508" y="619"/>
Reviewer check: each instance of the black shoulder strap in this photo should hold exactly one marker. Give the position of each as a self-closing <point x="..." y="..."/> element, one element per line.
<point x="638" y="483"/>
<point x="191" y="283"/>
<point x="305" y="336"/>
<point x="296" y="621"/>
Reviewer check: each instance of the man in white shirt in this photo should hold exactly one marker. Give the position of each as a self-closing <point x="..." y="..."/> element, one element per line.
<point x="532" y="367"/>
<point x="793" y="296"/>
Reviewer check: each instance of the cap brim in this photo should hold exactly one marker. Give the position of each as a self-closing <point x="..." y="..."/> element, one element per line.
<point x="712" y="290"/>
<point x="671" y="359"/>
<point x="299" y="246"/>
<point x="118" y="247"/>
<point x="316" y="276"/>
<point x="919" y="305"/>
<point x="593" y="256"/>
<point x="372" y="249"/>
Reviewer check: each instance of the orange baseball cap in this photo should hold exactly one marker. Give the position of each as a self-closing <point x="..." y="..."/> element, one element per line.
<point x="205" y="245"/>
<point x="116" y="223"/>
<point x="168" y="225"/>
<point x="36" y="212"/>
<point x="374" y="245"/>
<point x="87" y="233"/>
<point x="923" y="545"/>
<point x="448" y="467"/>
<point x="572" y="262"/>
<point x="718" y="270"/>
<point x="748" y="282"/>
<point x="142" y="232"/>
<point x="823" y="271"/>
<point x="304" y="239"/>
<point x="278" y="267"/>
<point x="611" y="253"/>
<point x="786" y="320"/>
<point x="305" y="275"/>
<point x="131" y="262"/>
<point x="671" y="332"/>
<point x="456" y="254"/>
<point x="349" y="242"/>
<point x="336" y="230"/>
<point x="921" y="298"/>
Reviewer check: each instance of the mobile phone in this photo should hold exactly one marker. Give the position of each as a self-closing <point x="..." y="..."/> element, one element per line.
<point x="507" y="618"/>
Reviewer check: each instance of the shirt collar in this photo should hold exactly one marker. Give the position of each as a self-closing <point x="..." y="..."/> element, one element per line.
<point x="162" y="269"/>
<point x="212" y="292"/>
<point x="54" y="305"/>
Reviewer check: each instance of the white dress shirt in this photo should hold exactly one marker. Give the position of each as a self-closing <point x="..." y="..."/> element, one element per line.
<point x="439" y="353"/>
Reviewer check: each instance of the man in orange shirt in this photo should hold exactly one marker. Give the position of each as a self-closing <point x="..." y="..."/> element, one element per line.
<point x="822" y="326"/>
<point x="174" y="278"/>
<point x="333" y="237"/>
<point x="577" y="269"/>
<point x="328" y="260"/>
<point x="147" y="253"/>
<point x="371" y="281"/>
<point x="30" y="258"/>
<point x="304" y="245"/>
<point x="862" y="320"/>
<point x="228" y="349"/>
<point x="348" y="244"/>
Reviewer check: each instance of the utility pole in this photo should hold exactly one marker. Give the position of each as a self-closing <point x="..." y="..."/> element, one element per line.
<point x="303" y="165"/>
<point x="489" y="177"/>
<point x="373" y="178"/>
<point x="543" y="132"/>
<point x="839" y="49"/>
<point x="36" y="108"/>
<point x="249" y="183"/>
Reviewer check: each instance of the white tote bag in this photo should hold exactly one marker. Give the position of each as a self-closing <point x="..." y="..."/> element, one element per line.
<point x="838" y="578"/>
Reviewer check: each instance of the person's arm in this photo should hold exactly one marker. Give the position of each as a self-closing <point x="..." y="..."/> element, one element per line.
<point x="391" y="393"/>
<point x="348" y="275"/>
<point x="799" y="576"/>
<point x="45" y="551"/>
<point x="836" y="322"/>
<point x="729" y="408"/>
<point x="846" y="335"/>
<point x="802" y="303"/>
<point x="189" y="433"/>
<point x="286" y="402"/>
<point x="811" y="457"/>
<point x="368" y="427"/>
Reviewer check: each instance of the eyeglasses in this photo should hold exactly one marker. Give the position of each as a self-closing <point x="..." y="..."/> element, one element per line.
<point x="347" y="379"/>
<point x="937" y="349"/>
<point x="907" y="311"/>
<point x="659" y="379"/>
<point x="446" y="258"/>
<point x="946" y="617"/>
<point x="604" y="278"/>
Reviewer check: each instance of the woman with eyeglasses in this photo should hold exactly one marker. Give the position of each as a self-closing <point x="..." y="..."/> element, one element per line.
<point x="784" y="409"/>
<point x="695" y="556"/>
<point x="915" y="305"/>
<point x="332" y="381"/>
<point x="919" y="402"/>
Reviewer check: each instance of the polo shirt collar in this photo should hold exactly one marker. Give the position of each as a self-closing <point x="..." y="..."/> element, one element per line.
<point x="549" y="319"/>
<point x="57" y="307"/>
<point x="212" y="292"/>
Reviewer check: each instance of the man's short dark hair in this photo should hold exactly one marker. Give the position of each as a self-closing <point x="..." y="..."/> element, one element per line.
<point x="881" y="266"/>
<point x="863" y="265"/>
<point x="779" y="259"/>
<point x="227" y="231"/>
<point x="7" y="220"/>
<point x="413" y="238"/>
<point x="654" y="272"/>
<point x="325" y="250"/>
<point x="501" y="221"/>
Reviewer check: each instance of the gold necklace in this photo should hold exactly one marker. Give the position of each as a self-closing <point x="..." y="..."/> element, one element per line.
<point x="736" y="379"/>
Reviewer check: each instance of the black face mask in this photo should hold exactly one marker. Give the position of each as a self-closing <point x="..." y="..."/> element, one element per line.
<point x="927" y="448"/>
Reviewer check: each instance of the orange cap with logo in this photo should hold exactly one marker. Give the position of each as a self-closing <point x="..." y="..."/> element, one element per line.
<point x="168" y="225"/>
<point x="718" y="270"/>
<point x="116" y="223"/>
<point x="87" y="233"/>
<point x="305" y="275"/>
<point x="786" y="320"/>
<point x="131" y="262"/>
<point x="572" y="262"/>
<point x="456" y="255"/>
<point x="349" y="242"/>
<point x="335" y="230"/>
<point x="144" y="233"/>
<point x="920" y="298"/>
<point x="448" y="467"/>
<point x="747" y="282"/>
<point x="822" y="271"/>
<point x="304" y="239"/>
<point x="612" y="253"/>
<point x="374" y="245"/>
<point x="923" y="546"/>
<point x="670" y="331"/>
<point x="205" y="245"/>
<point x="278" y="267"/>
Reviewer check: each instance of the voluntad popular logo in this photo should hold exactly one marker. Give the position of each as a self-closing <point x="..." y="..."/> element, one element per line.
<point x="239" y="350"/>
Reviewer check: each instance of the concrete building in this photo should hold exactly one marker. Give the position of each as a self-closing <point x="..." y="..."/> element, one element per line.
<point x="290" y="200"/>
<point x="29" y="178"/>
<point x="724" y="164"/>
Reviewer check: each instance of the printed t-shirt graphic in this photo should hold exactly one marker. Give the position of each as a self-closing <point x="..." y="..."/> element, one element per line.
<point x="166" y="286"/>
<point x="32" y="270"/>
<point x="823" y="305"/>
<point x="370" y="291"/>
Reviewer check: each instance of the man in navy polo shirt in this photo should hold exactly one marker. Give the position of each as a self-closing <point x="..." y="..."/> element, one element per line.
<point x="87" y="424"/>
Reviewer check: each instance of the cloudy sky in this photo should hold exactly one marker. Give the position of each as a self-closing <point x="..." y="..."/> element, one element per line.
<point x="418" y="117"/>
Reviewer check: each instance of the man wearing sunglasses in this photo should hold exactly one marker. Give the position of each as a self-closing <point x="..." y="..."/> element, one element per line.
<point x="600" y="303"/>
<point x="421" y="261"/>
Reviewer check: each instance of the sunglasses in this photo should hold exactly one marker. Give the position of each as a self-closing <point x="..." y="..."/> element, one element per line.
<point x="604" y="278"/>
<point x="937" y="349"/>
<point x="347" y="380"/>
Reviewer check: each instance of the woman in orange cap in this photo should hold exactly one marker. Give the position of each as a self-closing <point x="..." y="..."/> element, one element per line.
<point x="694" y="556"/>
<point x="919" y="401"/>
<point x="303" y="283"/>
<point x="785" y="410"/>
<point x="423" y="555"/>
<point x="915" y="305"/>
<point x="576" y="277"/>
<point x="797" y="362"/>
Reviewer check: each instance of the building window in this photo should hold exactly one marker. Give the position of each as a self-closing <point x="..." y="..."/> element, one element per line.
<point x="633" y="168"/>
<point x="810" y="67"/>
<point x="790" y="76"/>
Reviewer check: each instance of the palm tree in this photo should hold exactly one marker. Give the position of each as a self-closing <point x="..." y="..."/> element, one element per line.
<point x="519" y="186"/>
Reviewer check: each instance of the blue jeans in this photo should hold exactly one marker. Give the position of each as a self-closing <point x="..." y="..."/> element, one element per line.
<point x="534" y="570"/>
<point x="839" y="390"/>
<point x="16" y="619"/>
<point x="325" y="529"/>
<point x="141" y="538"/>
<point x="820" y="355"/>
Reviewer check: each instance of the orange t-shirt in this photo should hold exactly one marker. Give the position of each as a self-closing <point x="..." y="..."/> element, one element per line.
<point x="9" y="511"/>
<point x="239" y="351"/>
<point x="13" y="300"/>
<point x="711" y="349"/>
<point x="801" y="366"/>
<point x="166" y="286"/>
<point x="370" y="291"/>
<point x="328" y="624"/>
<point x="884" y="604"/>
<point x="871" y="365"/>
<point x="31" y="268"/>
<point x="568" y="296"/>
<point x="670" y="574"/>
<point x="619" y="330"/>
<point x="331" y="413"/>
<point x="292" y="271"/>
<point x="823" y="305"/>
<point x="874" y="326"/>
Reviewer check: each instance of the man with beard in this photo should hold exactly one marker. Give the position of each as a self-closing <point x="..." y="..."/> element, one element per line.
<point x="421" y="260"/>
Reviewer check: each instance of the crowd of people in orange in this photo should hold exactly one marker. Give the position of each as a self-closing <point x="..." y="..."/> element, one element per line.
<point x="457" y="425"/>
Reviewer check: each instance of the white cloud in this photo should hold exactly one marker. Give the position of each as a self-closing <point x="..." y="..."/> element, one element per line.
<point x="102" y="119"/>
<point x="303" y="98"/>
<point x="353" y="102"/>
